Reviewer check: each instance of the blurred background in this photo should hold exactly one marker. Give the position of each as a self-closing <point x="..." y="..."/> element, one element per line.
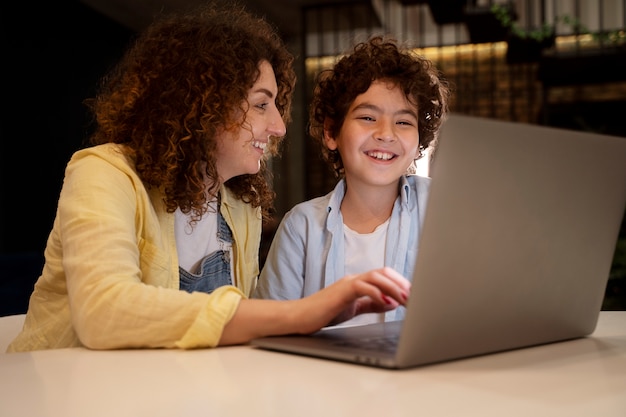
<point x="558" y="63"/>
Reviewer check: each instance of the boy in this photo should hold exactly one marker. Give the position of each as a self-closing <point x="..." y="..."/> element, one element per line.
<point x="373" y="114"/>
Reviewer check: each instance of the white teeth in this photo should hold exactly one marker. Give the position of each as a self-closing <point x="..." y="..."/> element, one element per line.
<point x="381" y="155"/>
<point x="260" y="145"/>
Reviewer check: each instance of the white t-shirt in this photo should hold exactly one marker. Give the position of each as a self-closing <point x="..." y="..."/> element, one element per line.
<point x="195" y="244"/>
<point x="364" y="252"/>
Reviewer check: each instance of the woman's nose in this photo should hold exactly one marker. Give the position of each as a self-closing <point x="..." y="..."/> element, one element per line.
<point x="277" y="125"/>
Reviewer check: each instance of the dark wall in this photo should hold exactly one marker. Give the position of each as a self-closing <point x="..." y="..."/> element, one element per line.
<point x="53" y="55"/>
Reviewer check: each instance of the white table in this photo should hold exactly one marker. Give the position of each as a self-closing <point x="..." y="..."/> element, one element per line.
<point x="584" y="377"/>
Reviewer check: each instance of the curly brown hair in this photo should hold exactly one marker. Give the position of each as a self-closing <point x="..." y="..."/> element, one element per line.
<point x="182" y="80"/>
<point x="379" y="58"/>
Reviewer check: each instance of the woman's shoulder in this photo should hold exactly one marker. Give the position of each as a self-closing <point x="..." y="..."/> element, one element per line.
<point x="108" y="161"/>
<point x="112" y="153"/>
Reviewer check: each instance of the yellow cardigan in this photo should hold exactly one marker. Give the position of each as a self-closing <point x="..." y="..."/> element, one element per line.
<point x="111" y="277"/>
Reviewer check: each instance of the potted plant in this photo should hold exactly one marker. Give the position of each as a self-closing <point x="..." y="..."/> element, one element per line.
<point x="448" y="11"/>
<point x="523" y="44"/>
<point x="599" y="57"/>
<point x="529" y="48"/>
<point x="483" y="25"/>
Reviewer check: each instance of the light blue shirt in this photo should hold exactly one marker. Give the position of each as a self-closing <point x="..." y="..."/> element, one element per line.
<point x="307" y="252"/>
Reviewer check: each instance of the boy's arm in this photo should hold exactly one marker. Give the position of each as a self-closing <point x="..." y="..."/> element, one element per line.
<point x="282" y="276"/>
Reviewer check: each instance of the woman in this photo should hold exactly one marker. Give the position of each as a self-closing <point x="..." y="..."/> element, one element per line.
<point x="156" y="238"/>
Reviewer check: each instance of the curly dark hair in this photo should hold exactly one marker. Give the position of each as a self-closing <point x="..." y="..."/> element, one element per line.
<point x="182" y="80"/>
<point x="379" y="58"/>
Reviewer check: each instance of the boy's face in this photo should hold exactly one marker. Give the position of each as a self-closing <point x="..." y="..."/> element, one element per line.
<point x="379" y="138"/>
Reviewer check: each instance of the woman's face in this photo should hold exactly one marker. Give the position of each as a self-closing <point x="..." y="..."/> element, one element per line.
<point x="239" y="151"/>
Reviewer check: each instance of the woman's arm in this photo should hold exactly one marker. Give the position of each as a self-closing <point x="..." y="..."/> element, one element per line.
<point x="378" y="290"/>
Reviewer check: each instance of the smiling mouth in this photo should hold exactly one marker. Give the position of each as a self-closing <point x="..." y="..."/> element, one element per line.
<point x="381" y="156"/>
<point x="259" y="145"/>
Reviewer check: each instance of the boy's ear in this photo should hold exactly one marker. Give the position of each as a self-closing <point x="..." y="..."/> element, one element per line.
<point x="419" y="152"/>
<point x="329" y="139"/>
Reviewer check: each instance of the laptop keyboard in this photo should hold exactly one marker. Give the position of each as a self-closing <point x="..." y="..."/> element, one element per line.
<point x="380" y="344"/>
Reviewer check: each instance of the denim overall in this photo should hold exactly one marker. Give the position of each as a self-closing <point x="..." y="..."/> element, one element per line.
<point x="214" y="270"/>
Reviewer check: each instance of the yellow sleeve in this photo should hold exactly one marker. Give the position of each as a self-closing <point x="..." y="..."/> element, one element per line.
<point x="207" y="328"/>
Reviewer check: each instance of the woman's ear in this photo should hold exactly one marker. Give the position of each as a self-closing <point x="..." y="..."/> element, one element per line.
<point x="329" y="139"/>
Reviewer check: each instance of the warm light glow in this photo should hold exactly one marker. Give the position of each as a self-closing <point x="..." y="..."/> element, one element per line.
<point x="423" y="164"/>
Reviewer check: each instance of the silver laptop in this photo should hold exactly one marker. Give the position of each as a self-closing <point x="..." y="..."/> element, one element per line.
<point x="516" y="248"/>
